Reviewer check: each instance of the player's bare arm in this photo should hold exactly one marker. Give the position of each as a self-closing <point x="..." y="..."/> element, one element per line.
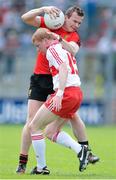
<point x="32" y="16"/>
<point x="57" y="99"/>
<point x="63" y="73"/>
<point x="71" y="46"/>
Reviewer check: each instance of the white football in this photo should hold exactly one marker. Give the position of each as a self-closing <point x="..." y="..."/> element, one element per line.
<point x="54" y="23"/>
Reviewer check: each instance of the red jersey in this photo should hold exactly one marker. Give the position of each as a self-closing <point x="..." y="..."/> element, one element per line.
<point x="42" y="65"/>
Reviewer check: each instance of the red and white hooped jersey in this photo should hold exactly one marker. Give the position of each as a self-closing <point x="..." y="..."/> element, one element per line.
<point x="56" y="55"/>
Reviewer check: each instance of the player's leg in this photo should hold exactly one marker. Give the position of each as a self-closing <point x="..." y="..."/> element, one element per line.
<point x="37" y="96"/>
<point x="79" y="131"/>
<point x="54" y="133"/>
<point x="41" y="119"/>
<point x="33" y="106"/>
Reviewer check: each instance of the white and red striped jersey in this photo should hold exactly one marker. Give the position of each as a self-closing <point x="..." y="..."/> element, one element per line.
<point x="56" y="55"/>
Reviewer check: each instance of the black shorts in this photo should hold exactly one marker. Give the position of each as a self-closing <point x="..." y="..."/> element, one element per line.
<point x="41" y="86"/>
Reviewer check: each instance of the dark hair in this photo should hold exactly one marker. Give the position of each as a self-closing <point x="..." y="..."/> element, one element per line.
<point x="76" y="9"/>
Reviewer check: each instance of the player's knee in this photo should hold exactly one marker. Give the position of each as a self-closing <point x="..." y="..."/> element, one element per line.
<point x="28" y="122"/>
<point x="34" y="127"/>
<point x="27" y="126"/>
<point x="30" y="117"/>
<point x="31" y="127"/>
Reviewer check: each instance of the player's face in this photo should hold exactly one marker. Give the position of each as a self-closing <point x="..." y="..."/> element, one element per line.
<point x="73" y="23"/>
<point x="41" y="46"/>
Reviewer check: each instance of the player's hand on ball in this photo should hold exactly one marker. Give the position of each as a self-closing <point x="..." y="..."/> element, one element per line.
<point x="52" y="11"/>
<point x="53" y="18"/>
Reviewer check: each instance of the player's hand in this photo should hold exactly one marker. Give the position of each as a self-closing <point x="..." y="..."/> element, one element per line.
<point x="52" y="11"/>
<point x="56" y="102"/>
<point x="54" y="35"/>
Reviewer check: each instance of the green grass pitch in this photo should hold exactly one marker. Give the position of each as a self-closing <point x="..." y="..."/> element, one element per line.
<point x="61" y="161"/>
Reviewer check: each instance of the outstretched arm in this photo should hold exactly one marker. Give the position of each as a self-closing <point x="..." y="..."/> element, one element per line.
<point x="71" y="46"/>
<point x="32" y="16"/>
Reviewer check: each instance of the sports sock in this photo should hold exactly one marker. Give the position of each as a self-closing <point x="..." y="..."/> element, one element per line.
<point x="66" y="140"/>
<point x="38" y="143"/>
<point x="23" y="159"/>
<point x="83" y="142"/>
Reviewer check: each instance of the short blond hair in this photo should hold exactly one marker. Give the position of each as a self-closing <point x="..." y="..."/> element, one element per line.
<point x="41" y="34"/>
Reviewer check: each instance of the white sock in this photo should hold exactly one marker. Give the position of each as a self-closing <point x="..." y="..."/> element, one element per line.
<point x="38" y="143"/>
<point x="66" y="140"/>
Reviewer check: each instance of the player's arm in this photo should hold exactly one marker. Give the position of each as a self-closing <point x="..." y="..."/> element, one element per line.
<point x="63" y="73"/>
<point x="71" y="46"/>
<point x="32" y="16"/>
<point x="54" y="60"/>
<point x="57" y="58"/>
<point x="57" y="99"/>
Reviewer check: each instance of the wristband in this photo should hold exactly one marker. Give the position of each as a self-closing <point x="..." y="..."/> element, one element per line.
<point x="59" y="92"/>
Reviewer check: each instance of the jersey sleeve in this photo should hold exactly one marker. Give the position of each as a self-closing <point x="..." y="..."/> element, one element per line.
<point x="55" y="56"/>
<point x="42" y="22"/>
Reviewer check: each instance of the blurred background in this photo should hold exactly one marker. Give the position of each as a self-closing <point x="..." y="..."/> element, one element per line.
<point x="96" y="59"/>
